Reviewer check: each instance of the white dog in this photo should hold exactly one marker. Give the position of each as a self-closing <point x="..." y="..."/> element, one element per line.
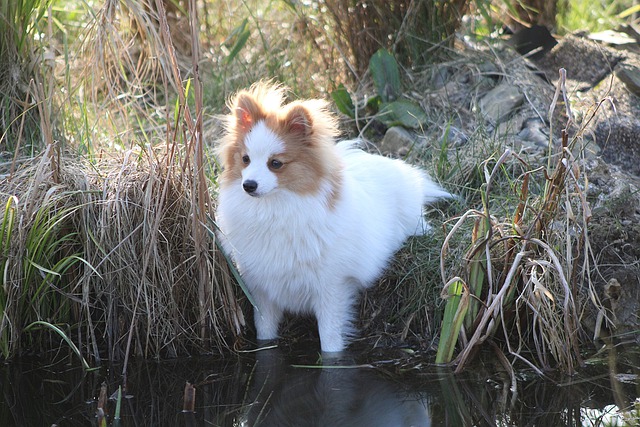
<point x="310" y="223"/>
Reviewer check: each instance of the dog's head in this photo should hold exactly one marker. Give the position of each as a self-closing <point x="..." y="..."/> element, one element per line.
<point x="270" y="147"/>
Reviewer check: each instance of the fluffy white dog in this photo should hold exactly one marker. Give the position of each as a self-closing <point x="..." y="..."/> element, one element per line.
<point x="308" y="222"/>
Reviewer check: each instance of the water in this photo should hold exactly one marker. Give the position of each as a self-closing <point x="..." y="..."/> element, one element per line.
<point x="276" y="388"/>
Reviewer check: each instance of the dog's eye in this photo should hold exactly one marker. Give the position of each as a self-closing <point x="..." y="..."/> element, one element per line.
<point x="275" y="164"/>
<point x="246" y="160"/>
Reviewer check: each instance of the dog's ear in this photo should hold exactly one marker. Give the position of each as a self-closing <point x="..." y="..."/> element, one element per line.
<point x="247" y="111"/>
<point x="298" y="121"/>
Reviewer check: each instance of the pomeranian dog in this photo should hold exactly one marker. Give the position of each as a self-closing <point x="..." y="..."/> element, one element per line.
<point x="308" y="222"/>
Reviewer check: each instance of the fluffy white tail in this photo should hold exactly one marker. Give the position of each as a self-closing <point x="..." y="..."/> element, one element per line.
<point x="432" y="191"/>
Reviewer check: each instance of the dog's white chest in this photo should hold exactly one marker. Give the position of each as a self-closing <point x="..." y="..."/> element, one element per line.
<point x="285" y="246"/>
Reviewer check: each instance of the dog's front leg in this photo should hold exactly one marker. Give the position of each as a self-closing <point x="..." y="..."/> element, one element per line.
<point x="334" y="315"/>
<point x="267" y="317"/>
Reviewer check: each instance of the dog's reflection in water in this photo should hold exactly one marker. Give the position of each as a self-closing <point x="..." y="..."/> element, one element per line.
<point x="282" y="395"/>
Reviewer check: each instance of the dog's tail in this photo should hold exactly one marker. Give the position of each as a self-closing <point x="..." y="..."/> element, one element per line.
<point x="432" y="192"/>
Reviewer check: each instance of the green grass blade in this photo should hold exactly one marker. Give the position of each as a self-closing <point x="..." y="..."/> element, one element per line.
<point x="241" y="34"/>
<point x="7" y="225"/>
<point x="43" y="269"/>
<point x="5" y="241"/>
<point x="64" y="336"/>
<point x="116" y="416"/>
<point x="454" y="313"/>
<point x="629" y="11"/>
<point x="477" y="269"/>
<point x="232" y="267"/>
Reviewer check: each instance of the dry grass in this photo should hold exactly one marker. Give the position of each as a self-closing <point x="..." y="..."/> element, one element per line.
<point x="411" y="29"/>
<point x="134" y="286"/>
<point x="526" y="275"/>
<point x="118" y="249"/>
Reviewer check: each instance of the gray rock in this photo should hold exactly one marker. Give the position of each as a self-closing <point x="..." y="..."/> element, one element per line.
<point x="500" y="102"/>
<point x="613" y="38"/>
<point x="587" y="62"/>
<point x="619" y="140"/>
<point x="453" y="136"/>
<point x="397" y="140"/>
<point x="440" y="76"/>
<point x="535" y="132"/>
<point x="489" y="68"/>
<point x="630" y="76"/>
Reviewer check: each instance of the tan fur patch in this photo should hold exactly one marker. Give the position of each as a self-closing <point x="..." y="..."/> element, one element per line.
<point x="231" y="157"/>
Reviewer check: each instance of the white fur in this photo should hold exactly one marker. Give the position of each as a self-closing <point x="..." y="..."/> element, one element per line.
<point x="261" y="144"/>
<point x="298" y="253"/>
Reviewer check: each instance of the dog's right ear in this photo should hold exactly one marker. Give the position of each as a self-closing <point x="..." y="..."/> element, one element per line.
<point x="247" y="111"/>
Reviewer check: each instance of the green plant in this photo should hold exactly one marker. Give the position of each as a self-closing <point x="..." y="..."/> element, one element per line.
<point x="386" y="105"/>
<point x="593" y="15"/>
<point x="8" y="220"/>
<point x="39" y="256"/>
<point x="455" y="313"/>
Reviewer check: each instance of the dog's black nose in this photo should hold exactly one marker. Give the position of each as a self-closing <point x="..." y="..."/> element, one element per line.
<point x="250" y="186"/>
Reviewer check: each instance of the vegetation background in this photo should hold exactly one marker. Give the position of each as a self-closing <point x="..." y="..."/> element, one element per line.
<point x="108" y="121"/>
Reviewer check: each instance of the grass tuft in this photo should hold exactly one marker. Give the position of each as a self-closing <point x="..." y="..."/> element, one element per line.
<point x="520" y="276"/>
<point x="114" y="250"/>
<point x="107" y="255"/>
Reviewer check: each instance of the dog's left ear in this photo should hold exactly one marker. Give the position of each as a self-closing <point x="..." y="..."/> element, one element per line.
<point x="298" y="121"/>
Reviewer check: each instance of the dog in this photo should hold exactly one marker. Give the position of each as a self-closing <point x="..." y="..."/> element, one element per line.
<point x="310" y="223"/>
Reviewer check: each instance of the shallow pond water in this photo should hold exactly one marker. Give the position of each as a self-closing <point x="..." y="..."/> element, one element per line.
<point x="287" y="388"/>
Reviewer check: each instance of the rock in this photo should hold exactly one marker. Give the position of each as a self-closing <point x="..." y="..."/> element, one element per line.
<point x="586" y="61"/>
<point x="614" y="196"/>
<point x="630" y="30"/>
<point x="613" y="38"/>
<point x="397" y="140"/>
<point x="500" y="102"/>
<point x="619" y="140"/>
<point x="440" y="76"/>
<point x="535" y="132"/>
<point x="511" y="127"/>
<point x="630" y="76"/>
<point x="453" y="136"/>
<point x="488" y="68"/>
